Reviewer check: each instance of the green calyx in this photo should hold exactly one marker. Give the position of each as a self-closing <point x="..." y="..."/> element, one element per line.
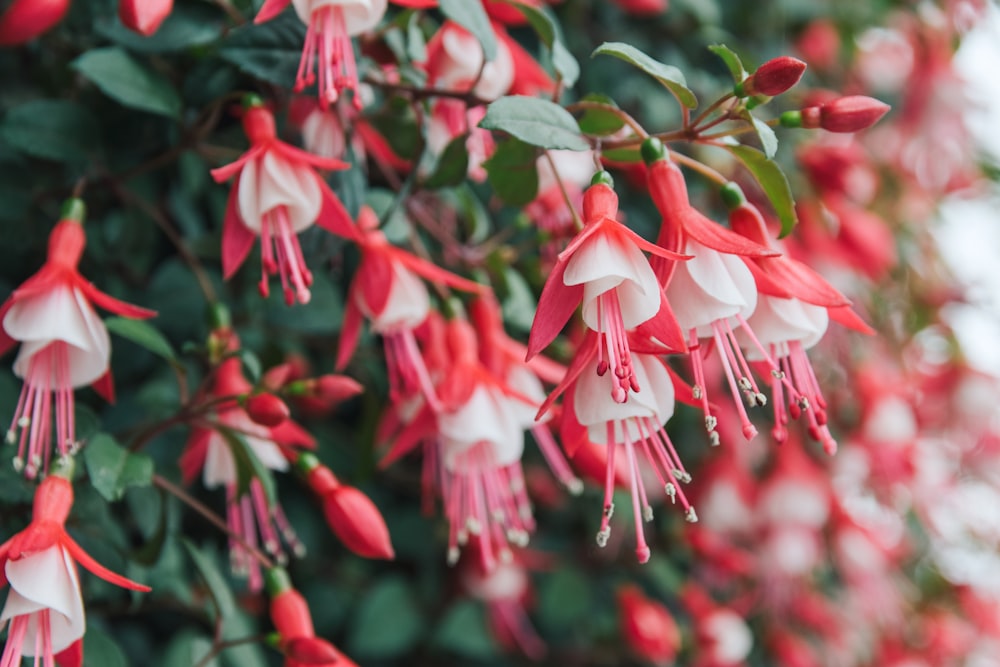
<point x="73" y="209"/>
<point x="63" y="467"/>
<point x="732" y="195"/>
<point x="603" y="178"/>
<point x="252" y="101"/>
<point x="653" y="150"/>
<point x="218" y="316"/>
<point x="306" y="463"/>
<point x="277" y="581"/>
<point x="791" y="119"/>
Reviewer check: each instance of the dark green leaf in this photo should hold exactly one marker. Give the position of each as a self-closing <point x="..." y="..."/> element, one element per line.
<point x="518" y="303"/>
<point x="668" y="75"/>
<point x="535" y="121"/>
<point x="733" y="62"/>
<point x="513" y="173"/>
<point x="143" y="334"/>
<point x="188" y="25"/>
<point x="269" y="51"/>
<point x="206" y="565"/>
<point x="564" y="63"/>
<point x="464" y="631"/>
<point x="251" y="364"/>
<point x="772" y="180"/>
<point x="564" y="598"/>
<point x="52" y="129"/>
<point x="600" y="122"/>
<point x="112" y="468"/>
<point x="321" y="316"/>
<point x="768" y="139"/>
<point x="548" y="32"/>
<point x="186" y="649"/>
<point x="399" y="127"/>
<point x="100" y="650"/>
<point x="452" y="166"/>
<point x="388" y="622"/>
<point x="416" y="47"/>
<point x="123" y="78"/>
<point x="472" y="16"/>
<point x="150" y="512"/>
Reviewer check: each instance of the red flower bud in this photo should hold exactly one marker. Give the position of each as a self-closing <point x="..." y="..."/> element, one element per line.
<point x="144" y="16"/>
<point x="773" y="77"/>
<point x="647" y="627"/>
<point x="290" y="614"/>
<point x="26" y="19"/>
<point x="311" y="651"/>
<point x="844" y="114"/>
<point x="333" y="389"/>
<point x="267" y="410"/>
<point x="353" y="517"/>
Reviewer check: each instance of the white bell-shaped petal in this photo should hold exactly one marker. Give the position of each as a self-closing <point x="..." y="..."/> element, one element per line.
<point x="709" y="287"/>
<point x="60" y="314"/>
<point x="407" y="306"/>
<point x="485" y="418"/>
<point x="505" y="582"/>
<point x="594" y="406"/>
<point x="463" y="61"/>
<point x="793" y="501"/>
<point x="272" y="181"/>
<point x="603" y="263"/>
<point x="779" y="321"/>
<point x="46" y="580"/>
<point x="220" y="466"/>
<point x="323" y="134"/>
<point x="359" y="15"/>
<point x="521" y="380"/>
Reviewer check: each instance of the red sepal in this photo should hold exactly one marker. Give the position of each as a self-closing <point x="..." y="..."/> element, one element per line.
<point x="111" y="304"/>
<point x="225" y="172"/>
<point x="237" y="239"/>
<point x="270" y="9"/>
<point x="555" y="306"/>
<point x="105" y="387"/>
<point x="411" y="435"/>
<point x="374" y="277"/>
<point x="350" y="331"/>
<point x="88" y="563"/>
<point x="848" y="318"/>
<point x="664" y="328"/>
<point x="333" y="217"/>
<point x="71" y="656"/>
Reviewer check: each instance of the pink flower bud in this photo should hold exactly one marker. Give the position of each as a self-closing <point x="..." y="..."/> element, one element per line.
<point x="144" y="16"/>
<point x="353" y="517"/>
<point x="644" y="7"/>
<point x="845" y="114"/>
<point x="333" y="389"/>
<point x="773" y="77"/>
<point x="647" y="627"/>
<point x="267" y="410"/>
<point x="26" y="19"/>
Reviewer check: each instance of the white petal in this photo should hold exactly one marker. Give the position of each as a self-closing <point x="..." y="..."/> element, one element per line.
<point x="323" y="135"/>
<point x="485" y="417"/>
<point x="359" y="15"/>
<point x="407" y="306"/>
<point x="778" y="321"/>
<point x="593" y="404"/>
<point x="220" y="467"/>
<point x="523" y="381"/>
<point x="464" y="61"/>
<point x="294" y="186"/>
<point x="712" y="286"/>
<point x="247" y="198"/>
<point x="601" y="257"/>
<point x="46" y="580"/>
<point x="657" y="384"/>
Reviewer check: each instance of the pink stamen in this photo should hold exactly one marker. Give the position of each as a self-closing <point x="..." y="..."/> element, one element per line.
<point x="408" y="373"/>
<point x="554" y="457"/>
<point x="328" y="52"/>
<point x="614" y="338"/>
<point x="609" y="488"/>
<point x="281" y="254"/>
<point x="700" y="389"/>
<point x="248" y="516"/>
<point x="511" y="615"/>
<point x="725" y="354"/>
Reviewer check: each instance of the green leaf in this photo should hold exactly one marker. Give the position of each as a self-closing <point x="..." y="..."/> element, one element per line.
<point x="188" y="25"/>
<point x="518" y="304"/>
<point x="143" y="334"/>
<point x="535" y="121"/>
<point x="548" y="32"/>
<point x="248" y="466"/>
<point x="564" y="598"/>
<point x="623" y="155"/>
<point x="52" y="129"/>
<point x="768" y="139"/>
<point x="668" y="75"/>
<point x="772" y="180"/>
<point x="188" y="648"/>
<point x="731" y="60"/>
<point x="464" y="631"/>
<point x="323" y="315"/>
<point x="452" y="166"/>
<point x="472" y="17"/>
<point x="416" y="46"/>
<point x="513" y="172"/>
<point x="123" y="78"/>
<point x="269" y="51"/>
<point x="205" y="563"/>
<point x="600" y="122"/>
<point x="100" y="650"/>
<point x="388" y="621"/>
<point x="112" y="468"/>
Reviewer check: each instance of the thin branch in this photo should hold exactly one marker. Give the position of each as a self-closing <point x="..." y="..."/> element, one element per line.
<point x="700" y="167"/>
<point x="221" y="645"/>
<point x="565" y="193"/>
<point x="420" y="93"/>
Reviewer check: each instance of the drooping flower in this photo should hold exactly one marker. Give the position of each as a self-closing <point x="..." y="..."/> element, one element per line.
<point x="297" y="638"/>
<point x="226" y="435"/>
<point x="387" y="290"/>
<point x="44" y="605"/>
<point x="605" y="269"/>
<point x="277" y="194"/>
<point x="647" y="627"/>
<point x="328" y="52"/>
<point x="64" y="345"/>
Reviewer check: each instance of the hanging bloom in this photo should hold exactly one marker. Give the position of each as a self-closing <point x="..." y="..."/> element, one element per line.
<point x="277" y="195"/>
<point x="328" y="51"/>
<point x="44" y="605"/>
<point x="64" y="345"/>
<point x="296" y="637"/>
<point x="604" y="268"/>
<point x="647" y="627"/>
<point x="388" y="291"/>
<point x="26" y="19"/>
<point x="713" y="293"/>
<point x="212" y="449"/>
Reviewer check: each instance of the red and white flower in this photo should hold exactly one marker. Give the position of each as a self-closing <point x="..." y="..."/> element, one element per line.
<point x="64" y="345"/>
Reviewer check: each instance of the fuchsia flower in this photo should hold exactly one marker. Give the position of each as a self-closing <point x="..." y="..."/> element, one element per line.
<point x="277" y="195"/>
<point x="297" y="638"/>
<point x="604" y="268"/>
<point x="211" y="450"/>
<point x="328" y="52"/>
<point x="44" y="605"/>
<point x="64" y="344"/>
<point x="387" y="290"/>
<point x="26" y="19"/>
<point x="648" y="627"/>
<point x="713" y="293"/>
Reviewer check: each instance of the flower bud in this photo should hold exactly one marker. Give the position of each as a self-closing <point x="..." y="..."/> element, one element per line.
<point x="647" y="627"/>
<point x="333" y="389"/>
<point x="310" y="651"/>
<point x="267" y="410"/>
<point x="844" y="114"/>
<point x="144" y="16"/>
<point x="644" y="7"/>
<point x="356" y="521"/>
<point x="26" y="19"/>
<point x="772" y="78"/>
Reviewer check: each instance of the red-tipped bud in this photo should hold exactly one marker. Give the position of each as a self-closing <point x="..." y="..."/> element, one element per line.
<point x="647" y="627"/>
<point x="144" y="16"/>
<point x="844" y="114"/>
<point x="267" y="410"/>
<point x="772" y="78"/>
<point x="71" y="656"/>
<point x="289" y="611"/>
<point x="333" y="389"/>
<point x="26" y="19"/>
<point x="258" y="121"/>
<point x="310" y="651"/>
<point x="356" y="521"/>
